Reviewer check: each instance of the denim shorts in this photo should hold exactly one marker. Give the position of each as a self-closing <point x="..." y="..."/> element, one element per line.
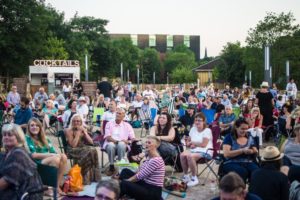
<point x="205" y="155"/>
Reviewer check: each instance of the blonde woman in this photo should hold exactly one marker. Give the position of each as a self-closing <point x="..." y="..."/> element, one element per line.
<point x="255" y="122"/>
<point x="81" y="151"/>
<point x="18" y="171"/>
<point x="50" y="114"/>
<point x="42" y="150"/>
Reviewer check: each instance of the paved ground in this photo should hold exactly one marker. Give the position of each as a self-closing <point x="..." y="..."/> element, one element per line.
<point x="199" y="192"/>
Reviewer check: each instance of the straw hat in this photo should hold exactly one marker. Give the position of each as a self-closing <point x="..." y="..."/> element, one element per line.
<point x="271" y="153"/>
<point x="264" y="84"/>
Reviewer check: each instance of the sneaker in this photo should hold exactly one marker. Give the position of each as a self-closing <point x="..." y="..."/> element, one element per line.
<point x="186" y="178"/>
<point x="193" y="182"/>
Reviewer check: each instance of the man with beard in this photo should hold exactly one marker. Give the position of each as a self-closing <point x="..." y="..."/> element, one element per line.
<point x="23" y="114"/>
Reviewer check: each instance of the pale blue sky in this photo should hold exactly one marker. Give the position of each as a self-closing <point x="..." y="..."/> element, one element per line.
<point x="216" y="21"/>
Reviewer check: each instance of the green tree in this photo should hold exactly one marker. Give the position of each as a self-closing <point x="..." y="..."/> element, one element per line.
<point x="127" y="54"/>
<point x="183" y="75"/>
<point x="269" y="30"/>
<point x="84" y="36"/>
<point x="150" y="63"/>
<point x="253" y="60"/>
<point x="55" y="49"/>
<point x="232" y="69"/>
<point x="25" y="26"/>
<point x="180" y="56"/>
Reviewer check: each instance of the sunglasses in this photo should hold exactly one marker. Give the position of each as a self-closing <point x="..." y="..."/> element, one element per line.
<point x="9" y="134"/>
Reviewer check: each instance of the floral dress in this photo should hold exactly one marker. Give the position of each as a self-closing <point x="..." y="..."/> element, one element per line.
<point x="87" y="158"/>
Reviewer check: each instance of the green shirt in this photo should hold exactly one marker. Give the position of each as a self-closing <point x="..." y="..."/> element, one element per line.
<point x="39" y="149"/>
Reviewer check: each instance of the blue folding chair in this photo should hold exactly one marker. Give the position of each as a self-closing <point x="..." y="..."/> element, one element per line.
<point x="209" y="115"/>
<point x="153" y="113"/>
<point x="181" y="112"/>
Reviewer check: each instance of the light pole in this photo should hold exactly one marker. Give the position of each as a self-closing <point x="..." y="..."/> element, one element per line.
<point x="287" y="71"/>
<point x="167" y="78"/>
<point x="138" y="76"/>
<point x="86" y="68"/>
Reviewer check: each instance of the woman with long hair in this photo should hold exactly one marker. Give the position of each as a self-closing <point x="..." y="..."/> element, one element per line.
<point x="166" y="133"/>
<point x="42" y="150"/>
<point x="80" y="149"/>
<point x="199" y="141"/>
<point x="240" y="150"/>
<point x="255" y="122"/>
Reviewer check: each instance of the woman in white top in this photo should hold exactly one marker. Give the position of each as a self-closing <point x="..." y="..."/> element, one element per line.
<point x="67" y="88"/>
<point x="199" y="141"/>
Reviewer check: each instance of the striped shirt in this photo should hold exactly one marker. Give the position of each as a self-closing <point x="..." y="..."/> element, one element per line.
<point x="152" y="171"/>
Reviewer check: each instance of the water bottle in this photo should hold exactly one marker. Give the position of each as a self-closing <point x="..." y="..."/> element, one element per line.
<point x="213" y="187"/>
<point x="98" y="119"/>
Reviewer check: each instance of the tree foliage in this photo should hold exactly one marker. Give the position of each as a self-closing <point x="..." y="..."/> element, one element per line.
<point x="150" y="63"/>
<point x="24" y="29"/>
<point x="183" y="74"/>
<point x="269" y="30"/>
<point x="232" y="68"/>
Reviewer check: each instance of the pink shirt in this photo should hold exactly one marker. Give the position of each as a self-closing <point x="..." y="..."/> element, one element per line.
<point x="119" y="132"/>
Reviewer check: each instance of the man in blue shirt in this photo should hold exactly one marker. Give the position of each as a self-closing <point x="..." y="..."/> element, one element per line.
<point x="23" y="114"/>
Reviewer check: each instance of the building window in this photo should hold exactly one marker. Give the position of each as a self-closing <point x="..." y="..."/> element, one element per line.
<point x="134" y="39"/>
<point x="186" y="40"/>
<point x="152" y="41"/>
<point x="169" y="41"/>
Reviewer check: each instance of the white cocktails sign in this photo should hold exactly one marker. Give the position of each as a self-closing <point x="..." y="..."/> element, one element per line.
<point x="56" y="63"/>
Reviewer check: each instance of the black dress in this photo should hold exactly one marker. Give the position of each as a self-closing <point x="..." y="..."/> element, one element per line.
<point x="266" y="107"/>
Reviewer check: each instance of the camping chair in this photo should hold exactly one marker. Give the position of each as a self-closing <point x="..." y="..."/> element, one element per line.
<point x="211" y="162"/>
<point x="101" y="141"/>
<point x="53" y="128"/>
<point x="171" y="106"/>
<point x="174" y="161"/>
<point x="209" y="115"/>
<point x="236" y="111"/>
<point x="145" y="118"/>
<point x="281" y="132"/>
<point x="63" y="144"/>
<point x="49" y="177"/>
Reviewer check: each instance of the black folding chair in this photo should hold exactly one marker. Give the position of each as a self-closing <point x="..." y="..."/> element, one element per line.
<point x="49" y="177"/>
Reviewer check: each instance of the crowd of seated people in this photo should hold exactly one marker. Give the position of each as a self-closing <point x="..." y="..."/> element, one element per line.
<point x="243" y="134"/>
